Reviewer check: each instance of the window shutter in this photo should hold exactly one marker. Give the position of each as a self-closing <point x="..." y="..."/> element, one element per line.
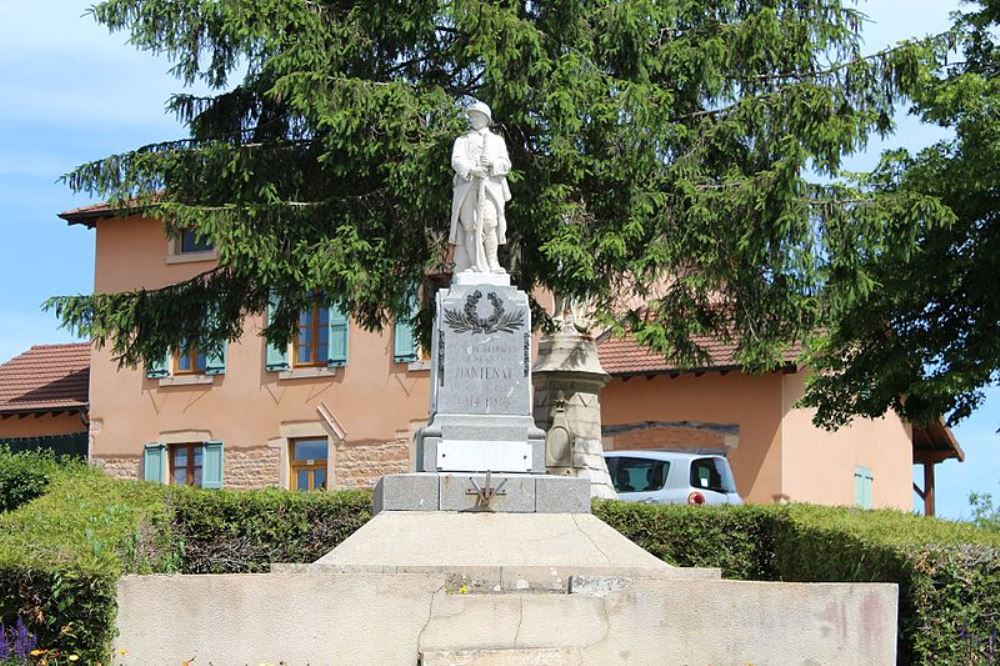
<point x="869" y="480"/>
<point x="160" y="368"/>
<point x="404" y="343"/>
<point x="215" y="364"/>
<point x="863" y="478"/>
<point x="152" y="462"/>
<point x="339" y="325"/>
<point x="276" y="357"/>
<point x="211" y="465"/>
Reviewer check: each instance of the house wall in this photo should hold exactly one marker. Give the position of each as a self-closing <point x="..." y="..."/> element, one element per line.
<point x="365" y="408"/>
<point x="819" y="465"/>
<point x="40" y="426"/>
<point x="753" y="403"/>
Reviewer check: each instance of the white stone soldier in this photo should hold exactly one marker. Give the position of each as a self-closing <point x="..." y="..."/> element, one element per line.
<point x="478" y="224"/>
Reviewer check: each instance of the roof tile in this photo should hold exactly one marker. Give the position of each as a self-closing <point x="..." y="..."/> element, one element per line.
<point x="624" y="356"/>
<point x="46" y="377"/>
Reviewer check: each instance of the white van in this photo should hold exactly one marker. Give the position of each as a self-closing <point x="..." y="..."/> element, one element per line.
<point x="672" y="477"/>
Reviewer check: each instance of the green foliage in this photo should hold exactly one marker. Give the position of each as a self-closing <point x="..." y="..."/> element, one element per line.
<point x="24" y="476"/>
<point x="660" y="149"/>
<point x="926" y="342"/>
<point x="738" y="540"/>
<point x="985" y="513"/>
<point x="61" y="555"/>
<point x="247" y="531"/>
<point x="948" y="573"/>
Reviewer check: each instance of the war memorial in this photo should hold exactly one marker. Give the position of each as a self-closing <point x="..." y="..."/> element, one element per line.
<point x="487" y="553"/>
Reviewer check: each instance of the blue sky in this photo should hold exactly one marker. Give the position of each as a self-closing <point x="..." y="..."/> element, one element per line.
<point x="74" y="93"/>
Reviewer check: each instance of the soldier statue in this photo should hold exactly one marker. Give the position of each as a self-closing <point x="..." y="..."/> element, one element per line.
<point x="481" y="164"/>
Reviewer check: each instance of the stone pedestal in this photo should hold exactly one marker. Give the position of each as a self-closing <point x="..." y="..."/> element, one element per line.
<point x="568" y="380"/>
<point x="480" y="413"/>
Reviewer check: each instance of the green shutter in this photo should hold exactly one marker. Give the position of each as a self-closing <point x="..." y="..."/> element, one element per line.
<point x="160" y="368"/>
<point x="339" y="325"/>
<point x="404" y="343"/>
<point x="211" y="461"/>
<point x="215" y="364"/>
<point x="863" y="479"/>
<point x="277" y="357"/>
<point x="152" y="462"/>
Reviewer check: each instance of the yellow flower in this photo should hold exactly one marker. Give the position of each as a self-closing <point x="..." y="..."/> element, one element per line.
<point x="122" y="651"/>
<point x="36" y="652"/>
<point x="464" y="589"/>
<point x="73" y="657"/>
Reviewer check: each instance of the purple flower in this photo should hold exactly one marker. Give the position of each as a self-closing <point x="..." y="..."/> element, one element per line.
<point x="24" y="640"/>
<point x="5" y="647"/>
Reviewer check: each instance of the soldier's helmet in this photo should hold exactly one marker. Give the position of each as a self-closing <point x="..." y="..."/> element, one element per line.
<point x="481" y="107"/>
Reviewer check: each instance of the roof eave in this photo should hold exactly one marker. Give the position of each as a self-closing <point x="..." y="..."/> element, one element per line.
<point x="786" y="368"/>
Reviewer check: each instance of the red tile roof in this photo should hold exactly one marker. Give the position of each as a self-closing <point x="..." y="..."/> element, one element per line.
<point x="624" y="356"/>
<point x="88" y="215"/>
<point x="46" y="378"/>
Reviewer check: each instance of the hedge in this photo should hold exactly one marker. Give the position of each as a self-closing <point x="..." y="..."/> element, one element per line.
<point x="247" y="531"/>
<point x="61" y="555"/>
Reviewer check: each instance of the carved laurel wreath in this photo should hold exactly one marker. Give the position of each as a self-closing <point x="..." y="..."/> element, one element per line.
<point x="468" y="320"/>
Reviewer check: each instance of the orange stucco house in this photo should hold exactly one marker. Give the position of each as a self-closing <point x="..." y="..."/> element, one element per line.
<point x="339" y="407"/>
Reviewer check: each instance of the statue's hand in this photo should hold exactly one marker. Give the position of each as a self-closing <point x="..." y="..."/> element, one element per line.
<point x="477" y="172"/>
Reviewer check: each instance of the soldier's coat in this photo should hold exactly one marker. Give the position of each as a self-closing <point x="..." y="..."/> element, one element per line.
<point x="464" y="157"/>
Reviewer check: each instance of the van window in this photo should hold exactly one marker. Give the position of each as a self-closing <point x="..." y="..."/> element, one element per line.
<point x="712" y="474"/>
<point x="637" y="475"/>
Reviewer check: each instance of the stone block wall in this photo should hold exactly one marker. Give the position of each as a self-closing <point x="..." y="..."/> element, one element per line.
<point x="361" y="464"/>
<point x="355" y="464"/>
<point x="120" y="467"/>
<point x="661" y="438"/>
<point x="256" y="467"/>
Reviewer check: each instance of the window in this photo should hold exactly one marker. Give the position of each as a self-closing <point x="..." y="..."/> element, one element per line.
<point x="191" y="242"/>
<point x="712" y="474"/>
<point x="637" y="475"/>
<point x="320" y="339"/>
<point x="190" y="361"/>
<point x="863" y="480"/>
<point x="308" y="461"/>
<point x="186" y="462"/>
<point x="312" y="342"/>
<point x="194" y="464"/>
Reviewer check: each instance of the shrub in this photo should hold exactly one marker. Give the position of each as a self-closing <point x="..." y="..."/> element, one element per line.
<point x="245" y="531"/>
<point x="24" y="476"/>
<point x="739" y="540"/>
<point x="61" y="555"/>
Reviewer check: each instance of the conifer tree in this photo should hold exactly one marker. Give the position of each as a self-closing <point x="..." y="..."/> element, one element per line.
<point x="672" y="151"/>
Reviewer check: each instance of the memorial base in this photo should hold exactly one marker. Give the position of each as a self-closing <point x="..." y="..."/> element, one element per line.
<point x="459" y="491"/>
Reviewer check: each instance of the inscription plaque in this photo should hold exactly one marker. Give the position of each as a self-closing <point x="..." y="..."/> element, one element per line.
<point x="482" y="366"/>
